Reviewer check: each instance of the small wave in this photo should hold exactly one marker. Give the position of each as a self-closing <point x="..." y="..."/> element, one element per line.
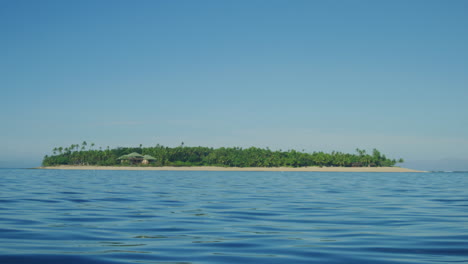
<point x="50" y="259"/>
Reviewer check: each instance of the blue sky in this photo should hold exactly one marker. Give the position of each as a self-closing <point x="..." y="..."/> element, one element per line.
<point x="312" y="75"/>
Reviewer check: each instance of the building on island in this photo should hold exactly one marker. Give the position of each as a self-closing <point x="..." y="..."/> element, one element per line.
<point x="132" y="158"/>
<point x="147" y="159"/>
<point x="136" y="158"/>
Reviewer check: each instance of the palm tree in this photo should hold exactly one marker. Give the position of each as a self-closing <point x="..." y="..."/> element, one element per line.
<point x="361" y="152"/>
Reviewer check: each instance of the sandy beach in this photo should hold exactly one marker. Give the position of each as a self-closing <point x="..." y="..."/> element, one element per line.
<point x="206" y="168"/>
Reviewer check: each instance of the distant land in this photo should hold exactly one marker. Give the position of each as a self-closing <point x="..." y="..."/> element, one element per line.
<point x="232" y="157"/>
<point x="212" y="168"/>
<point x="448" y="164"/>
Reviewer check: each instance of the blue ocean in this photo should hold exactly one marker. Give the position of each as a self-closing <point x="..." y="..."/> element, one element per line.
<point x="58" y="216"/>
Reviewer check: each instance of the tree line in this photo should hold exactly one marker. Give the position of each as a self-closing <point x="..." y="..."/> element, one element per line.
<point x="86" y="154"/>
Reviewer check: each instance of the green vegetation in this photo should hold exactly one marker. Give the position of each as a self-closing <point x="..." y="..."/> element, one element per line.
<point x="204" y="156"/>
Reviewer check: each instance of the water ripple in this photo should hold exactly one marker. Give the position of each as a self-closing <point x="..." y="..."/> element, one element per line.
<point x="232" y="217"/>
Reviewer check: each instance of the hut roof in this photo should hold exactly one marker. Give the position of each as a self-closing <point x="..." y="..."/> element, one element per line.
<point x="148" y="157"/>
<point x="132" y="155"/>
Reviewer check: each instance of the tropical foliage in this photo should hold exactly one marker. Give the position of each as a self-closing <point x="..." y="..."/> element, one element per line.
<point x="205" y="156"/>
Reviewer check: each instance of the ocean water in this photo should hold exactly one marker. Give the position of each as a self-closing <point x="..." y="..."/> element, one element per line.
<point x="49" y="216"/>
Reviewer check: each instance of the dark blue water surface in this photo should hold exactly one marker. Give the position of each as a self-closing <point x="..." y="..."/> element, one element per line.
<point x="49" y="216"/>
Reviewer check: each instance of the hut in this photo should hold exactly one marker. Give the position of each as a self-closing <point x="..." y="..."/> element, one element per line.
<point x="147" y="159"/>
<point x="133" y="158"/>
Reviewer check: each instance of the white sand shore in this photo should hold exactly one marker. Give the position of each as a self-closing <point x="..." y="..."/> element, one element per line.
<point x="205" y="168"/>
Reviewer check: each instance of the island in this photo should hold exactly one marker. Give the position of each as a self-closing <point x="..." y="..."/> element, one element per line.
<point x="183" y="157"/>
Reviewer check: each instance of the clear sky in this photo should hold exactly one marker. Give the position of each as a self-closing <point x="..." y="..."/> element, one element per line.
<point x="312" y="75"/>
